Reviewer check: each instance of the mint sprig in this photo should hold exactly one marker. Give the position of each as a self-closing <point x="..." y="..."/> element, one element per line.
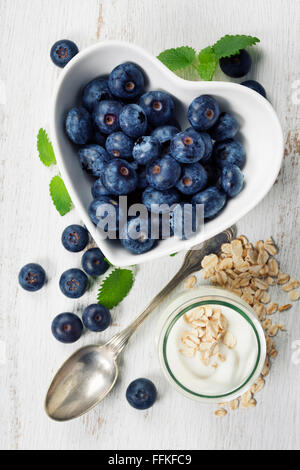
<point x="60" y="195"/>
<point x="115" y="287"/>
<point x="207" y="60"/>
<point x="45" y="149"/>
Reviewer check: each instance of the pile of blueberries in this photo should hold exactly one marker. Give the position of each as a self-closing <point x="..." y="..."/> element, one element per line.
<point x="130" y="142"/>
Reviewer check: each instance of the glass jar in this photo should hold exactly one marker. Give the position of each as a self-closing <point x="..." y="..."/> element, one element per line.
<point x="245" y="362"/>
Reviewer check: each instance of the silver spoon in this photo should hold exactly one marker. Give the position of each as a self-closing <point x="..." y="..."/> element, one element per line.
<point x="90" y="373"/>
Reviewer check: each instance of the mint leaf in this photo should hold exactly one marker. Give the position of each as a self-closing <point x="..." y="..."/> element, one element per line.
<point x="230" y="45"/>
<point x="173" y="254"/>
<point x="179" y="58"/>
<point x="45" y="149"/>
<point x="207" y="63"/>
<point x="60" y="195"/>
<point x="115" y="287"/>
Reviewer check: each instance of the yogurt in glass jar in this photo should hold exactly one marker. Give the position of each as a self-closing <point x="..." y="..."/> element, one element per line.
<point x="212" y="347"/>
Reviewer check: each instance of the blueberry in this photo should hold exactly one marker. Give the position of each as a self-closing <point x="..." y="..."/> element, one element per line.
<point x="62" y="52"/>
<point x="106" y="116"/>
<point x="32" y="277"/>
<point x="230" y="152"/>
<point x="203" y="112"/>
<point x="75" y="238"/>
<point x="133" y="121"/>
<point x="254" y="85"/>
<point x="96" y="318"/>
<point x="98" y="189"/>
<point x="126" y="81"/>
<point x="79" y="126"/>
<point x="232" y="180"/>
<point x="188" y="146"/>
<point x="213" y="199"/>
<point x="208" y="147"/>
<point x="136" y="238"/>
<point x="67" y="328"/>
<point x="163" y="173"/>
<point x="141" y="394"/>
<point x="225" y="128"/>
<point x="95" y="91"/>
<point x="120" y="177"/>
<point x="184" y="223"/>
<point x="94" y="263"/>
<point x="193" y="179"/>
<point x="165" y="134"/>
<point x="237" y="65"/>
<point x="153" y="197"/>
<point x="101" y="208"/>
<point x="73" y="283"/>
<point x="146" y="149"/>
<point x="158" y="106"/>
<point x="119" y="145"/>
<point x="93" y="159"/>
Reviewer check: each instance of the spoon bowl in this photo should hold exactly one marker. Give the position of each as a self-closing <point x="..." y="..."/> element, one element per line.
<point x="91" y="373"/>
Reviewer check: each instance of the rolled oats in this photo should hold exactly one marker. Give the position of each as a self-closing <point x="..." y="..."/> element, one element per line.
<point x="292" y="284"/>
<point x="294" y="295"/>
<point x="190" y="282"/>
<point x="284" y="308"/>
<point x="220" y="413"/>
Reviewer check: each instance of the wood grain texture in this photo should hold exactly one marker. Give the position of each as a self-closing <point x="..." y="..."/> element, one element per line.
<point x="31" y="229"/>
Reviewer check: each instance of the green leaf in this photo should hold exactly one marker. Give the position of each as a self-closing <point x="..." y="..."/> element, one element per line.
<point x="173" y="254"/>
<point x="179" y="58"/>
<point x="230" y="45"/>
<point x="115" y="287"/>
<point x="45" y="149"/>
<point x="207" y="63"/>
<point x="60" y="195"/>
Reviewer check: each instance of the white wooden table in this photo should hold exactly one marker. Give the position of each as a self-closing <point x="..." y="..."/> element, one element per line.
<point x="31" y="229"/>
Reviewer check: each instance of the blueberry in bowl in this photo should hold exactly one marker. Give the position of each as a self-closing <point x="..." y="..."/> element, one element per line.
<point x="136" y="236"/>
<point x="203" y="112"/>
<point x="126" y="81"/>
<point x="93" y="158"/>
<point x="141" y="394"/>
<point x="95" y="91"/>
<point x="106" y="116"/>
<point x="98" y="189"/>
<point x="213" y="199"/>
<point x="67" y="328"/>
<point x="164" y="134"/>
<point x="158" y="201"/>
<point x="146" y="149"/>
<point x="120" y="177"/>
<point x="96" y="318"/>
<point x="232" y="180"/>
<point x="193" y="179"/>
<point x="188" y="146"/>
<point x="105" y="213"/>
<point x="133" y="121"/>
<point x="159" y="107"/>
<point x="75" y="238"/>
<point x="79" y="126"/>
<point x="32" y="277"/>
<point x="230" y="152"/>
<point x="119" y="145"/>
<point x="225" y="128"/>
<point x="94" y="263"/>
<point x="163" y="173"/>
<point x="73" y="283"/>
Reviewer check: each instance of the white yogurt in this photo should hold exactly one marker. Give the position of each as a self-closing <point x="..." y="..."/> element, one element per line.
<point x="229" y="375"/>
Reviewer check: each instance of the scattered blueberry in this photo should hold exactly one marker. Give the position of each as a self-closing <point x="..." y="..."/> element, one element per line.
<point x="230" y="152"/>
<point x="96" y="318"/>
<point x="133" y="121"/>
<point x="232" y="180"/>
<point x="75" y="238"/>
<point x="98" y="189"/>
<point x="95" y="91"/>
<point x="119" y="145"/>
<point x="126" y="81"/>
<point x="165" y="134"/>
<point x="79" y="126"/>
<point x="184" y="221"/>
<point x="135" y="237"/>
<point x="254" y="85"/>
<point x="106" y="116"/>
<point x="153" y="197"/>
<point x="67" y="328"/>
<point x="146" y="149"/>
<point x="141" y="394"/>
<point x="236" y="66"/>
<point x="62" y="52"/>
<point x="120" y="177"/>
<point x="188" y="146"/>
<point x="163" y="173"/>
<point x="203" y="112"/>
<point x="94" y="263"/>
<point x="193" y="179"/>
<point x="213" y="199"/>
<point x="105" y="209"/>
<point x="73" y="283"/>
<point x="93" y="159"/>
<point x="32" y="277"/>
<point x="158" y="106"/>
<point x="225" y="128"/>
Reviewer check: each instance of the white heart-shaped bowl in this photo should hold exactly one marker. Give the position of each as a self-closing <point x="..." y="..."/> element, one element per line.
<point x="260" y="132"/>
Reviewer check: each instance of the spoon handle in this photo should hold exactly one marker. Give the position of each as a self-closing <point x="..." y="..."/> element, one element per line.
<point x="191" y="264"/>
